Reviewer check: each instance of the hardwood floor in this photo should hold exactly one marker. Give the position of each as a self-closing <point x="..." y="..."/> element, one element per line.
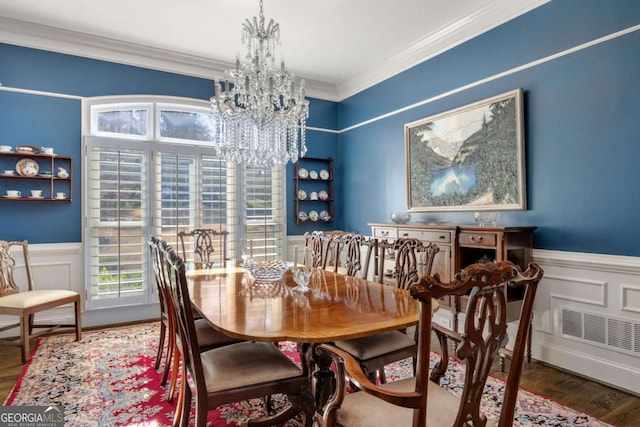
<point x="606" y="403"/>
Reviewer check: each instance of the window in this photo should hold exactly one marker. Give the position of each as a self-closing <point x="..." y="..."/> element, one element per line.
<point x="151" y="170"/>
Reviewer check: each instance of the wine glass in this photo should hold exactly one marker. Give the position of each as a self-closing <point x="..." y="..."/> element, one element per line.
<point x="301" y="277"/>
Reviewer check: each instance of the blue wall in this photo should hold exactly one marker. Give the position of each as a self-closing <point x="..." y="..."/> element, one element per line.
<point x="39" y="120"/>
<point x="581" y="125"/>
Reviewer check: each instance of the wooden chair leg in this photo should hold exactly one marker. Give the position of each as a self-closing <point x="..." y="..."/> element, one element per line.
<point x="174" y="374"/>
<point x="163" y="332"/>
<point x="529" y="336"/>
<point x="382" y="376"/>
<point x="178" y="416"/>
<point x="186" y="402"/>
<point x="24" y="336"/>
<point x="171" y="349"/>
<point x="78" y="320"/>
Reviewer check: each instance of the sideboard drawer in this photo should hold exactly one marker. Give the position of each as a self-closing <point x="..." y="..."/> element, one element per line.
<point x="480" y="239"/>
<point x="385" y="233"/>
<point x="426" y="235"/>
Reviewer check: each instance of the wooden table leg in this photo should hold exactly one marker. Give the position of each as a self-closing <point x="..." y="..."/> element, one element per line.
<point x="321" y="378"/>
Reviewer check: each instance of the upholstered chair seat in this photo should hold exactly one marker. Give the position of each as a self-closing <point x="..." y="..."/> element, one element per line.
<point x="30" y="299"/>
<point x="226" y="368"/>
<point x="364" y="410"/>
<point x="372" y="346"/>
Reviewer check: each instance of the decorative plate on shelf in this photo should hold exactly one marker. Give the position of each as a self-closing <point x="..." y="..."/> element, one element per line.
<point x="323" y="195"/>
<point x="302" y="195"/>
<point x="324" y="215"/>
<point x="324" y="174"/>
<point x="313" y="175"/>
<point x="313" y="216"/>
<point x="302" y="216"/>
<point x="27" y="167"/>
<point x="27" y="149"/>
<point x="303" y="173"/>
<point x="313" y="196"/>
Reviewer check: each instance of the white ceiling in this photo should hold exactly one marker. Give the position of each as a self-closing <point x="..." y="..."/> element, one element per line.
<point x="339" y="46"/>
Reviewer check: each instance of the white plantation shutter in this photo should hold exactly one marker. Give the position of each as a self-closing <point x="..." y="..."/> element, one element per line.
<point x="264" y="213"/>
<point x="160" y="183"/>
<point x="193" y="190"/>
<point x="117" y="231"/>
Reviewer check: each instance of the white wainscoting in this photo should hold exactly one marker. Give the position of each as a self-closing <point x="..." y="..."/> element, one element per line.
<point x="586" y="316"/>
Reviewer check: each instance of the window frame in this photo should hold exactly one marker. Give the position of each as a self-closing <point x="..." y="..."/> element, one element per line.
<point x="150" y="145"/>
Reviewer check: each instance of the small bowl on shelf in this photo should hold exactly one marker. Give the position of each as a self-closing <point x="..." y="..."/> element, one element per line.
<point x="401" y="217"/>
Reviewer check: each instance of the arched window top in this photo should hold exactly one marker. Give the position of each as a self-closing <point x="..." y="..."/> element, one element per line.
<point x="164" y="119"/>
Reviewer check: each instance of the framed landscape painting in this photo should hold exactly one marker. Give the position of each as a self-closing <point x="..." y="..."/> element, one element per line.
<point x="468" y="159"/>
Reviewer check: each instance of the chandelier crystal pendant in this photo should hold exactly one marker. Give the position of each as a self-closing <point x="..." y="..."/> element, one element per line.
<point x="261" y="118"/>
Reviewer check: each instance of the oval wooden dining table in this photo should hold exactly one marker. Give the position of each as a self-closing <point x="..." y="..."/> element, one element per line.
<point x="335" y="307"/>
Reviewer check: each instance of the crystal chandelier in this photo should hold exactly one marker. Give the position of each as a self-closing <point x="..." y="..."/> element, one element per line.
<point x="261" y="118"/>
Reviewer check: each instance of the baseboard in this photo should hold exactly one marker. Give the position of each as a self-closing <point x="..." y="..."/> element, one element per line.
<point x="619" y="376"/>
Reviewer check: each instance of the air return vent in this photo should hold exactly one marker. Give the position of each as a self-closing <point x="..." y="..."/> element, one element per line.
<point x="593" y="328"/>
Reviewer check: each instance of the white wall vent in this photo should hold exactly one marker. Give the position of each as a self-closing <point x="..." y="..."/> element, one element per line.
<point x="593" y="328"/>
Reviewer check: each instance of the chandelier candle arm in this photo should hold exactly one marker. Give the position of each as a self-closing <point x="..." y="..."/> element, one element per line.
<point x="261" y="120"/>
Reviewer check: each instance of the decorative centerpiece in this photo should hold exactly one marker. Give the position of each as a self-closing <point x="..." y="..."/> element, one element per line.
<point x="486" y="218"/>
<point x="401" y="217"/>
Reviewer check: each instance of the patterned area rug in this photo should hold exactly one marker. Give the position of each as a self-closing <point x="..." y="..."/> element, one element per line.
<point x="108" y="379"/>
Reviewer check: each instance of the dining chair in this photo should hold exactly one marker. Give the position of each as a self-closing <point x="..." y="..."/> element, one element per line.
<point x="316" y="244"/>
<point x="419" y="400"/>
<point x="357" y="252"/>
<point x="232" y="373"/>
<point x="26" y="303"/>
<point x="208" y="337"/>
<point x="326" y="249"/>
<point x="207" y="247"/>
<point x="412" y="258"/>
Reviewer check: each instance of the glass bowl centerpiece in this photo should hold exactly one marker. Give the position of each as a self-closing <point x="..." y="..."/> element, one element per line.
<point x="265" y="271"/>
<point x="486" y="218"/>
<point x="401" y="217"/>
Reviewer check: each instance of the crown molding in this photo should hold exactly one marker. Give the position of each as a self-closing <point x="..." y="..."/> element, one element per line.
<point x="54" y="39"/>
<point x="490" y="16"/>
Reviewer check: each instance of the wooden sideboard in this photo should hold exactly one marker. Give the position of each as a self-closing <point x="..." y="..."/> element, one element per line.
<point x="462" y="245"/>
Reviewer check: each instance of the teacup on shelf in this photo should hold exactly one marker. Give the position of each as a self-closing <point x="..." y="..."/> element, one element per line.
<point x="62" y="173"/>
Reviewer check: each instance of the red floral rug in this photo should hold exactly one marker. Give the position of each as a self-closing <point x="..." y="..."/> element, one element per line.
<point x="108" y="379"/>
